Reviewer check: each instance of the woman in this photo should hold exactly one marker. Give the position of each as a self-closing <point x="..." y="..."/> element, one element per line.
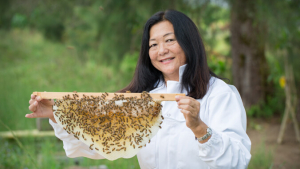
<point x="173" y="60"/>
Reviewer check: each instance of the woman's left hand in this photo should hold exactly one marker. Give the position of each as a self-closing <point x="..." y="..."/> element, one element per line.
<point x="190" y="109"/>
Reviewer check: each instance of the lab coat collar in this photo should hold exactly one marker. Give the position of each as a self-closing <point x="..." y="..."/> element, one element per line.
<point x="181" y="70"/>
<point x="171" y="83"/>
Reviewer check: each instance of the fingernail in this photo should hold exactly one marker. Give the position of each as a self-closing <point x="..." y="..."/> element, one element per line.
<point x="177" y="97"/>
<point x="38" y="98"/>
<point x="35" y="103"/>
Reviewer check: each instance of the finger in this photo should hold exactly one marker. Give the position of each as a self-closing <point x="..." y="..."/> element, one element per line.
<point x="192" y="102"/>
<point x="184" y="101"/>
<point x="184" y="112"/>
<point x="32" y="115"/>
<point x="33" y="96"/>
<point x="31" y="101"/>
<point x="33" y="106"/>
<point x="192" y="111"/>
<point x="186" y="107"/>
<point x="178" y="98"/>
<point x="38" y="98"/>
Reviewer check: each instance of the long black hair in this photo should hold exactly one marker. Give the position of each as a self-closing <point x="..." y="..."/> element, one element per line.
<point x="195" y="78"/>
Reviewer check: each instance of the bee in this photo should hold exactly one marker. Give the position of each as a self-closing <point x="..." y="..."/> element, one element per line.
<point x="108" y="152"/>
<point x="159" y="127"/>
<point x="162" y="117"/>
<point x="92" y="139"/>
<point x="96" y="148"/>
<point x="134" y="146"/>
<point x="113" y="149"/>
<point x="140" y="146"/>
<point x="162" y="96"/>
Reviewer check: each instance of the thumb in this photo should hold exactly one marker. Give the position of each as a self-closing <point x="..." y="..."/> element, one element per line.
<point x="47" y="101"/>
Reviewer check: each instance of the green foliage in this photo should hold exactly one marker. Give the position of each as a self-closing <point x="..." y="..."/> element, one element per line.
<point x="218" y="66"/>
<point x="262" y="158"/>
<point x="128" y="64"/>
<point x="49" y="16"/>
<point x="273" y="105"/>
<point x="19" y="20"/>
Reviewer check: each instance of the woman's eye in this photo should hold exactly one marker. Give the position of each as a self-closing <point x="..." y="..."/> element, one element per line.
<point x="152" y="45"/>
<point x="169" y="40"/>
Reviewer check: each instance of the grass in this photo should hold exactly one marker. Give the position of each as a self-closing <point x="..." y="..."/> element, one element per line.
<point x="48" y="153"/>
<point x="262" y="158"/>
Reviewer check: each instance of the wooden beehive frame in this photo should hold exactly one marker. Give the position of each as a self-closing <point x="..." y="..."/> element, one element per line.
<point x="60" y="95"/>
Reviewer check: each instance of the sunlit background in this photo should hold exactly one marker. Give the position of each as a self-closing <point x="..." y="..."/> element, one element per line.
<point x="93" y="46"/>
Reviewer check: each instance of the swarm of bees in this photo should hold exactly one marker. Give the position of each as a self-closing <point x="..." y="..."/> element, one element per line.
<point x="114" y="128"/>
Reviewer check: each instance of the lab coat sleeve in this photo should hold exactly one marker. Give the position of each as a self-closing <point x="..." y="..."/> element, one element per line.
<point x="229" y="145"/>
<point x="73" y="147"/>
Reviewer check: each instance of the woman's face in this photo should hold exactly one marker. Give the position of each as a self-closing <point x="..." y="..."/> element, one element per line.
<point x="165" y="53"/>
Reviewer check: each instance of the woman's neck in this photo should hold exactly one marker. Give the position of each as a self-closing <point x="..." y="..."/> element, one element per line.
<point x="171" y="78"/>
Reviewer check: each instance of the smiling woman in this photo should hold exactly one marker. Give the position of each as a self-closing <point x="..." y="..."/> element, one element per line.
<point x="165" y="53"/>
<point x="204" y="129"/>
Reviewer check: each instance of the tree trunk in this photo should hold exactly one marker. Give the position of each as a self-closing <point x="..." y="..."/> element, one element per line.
<point x="248" y="52"/>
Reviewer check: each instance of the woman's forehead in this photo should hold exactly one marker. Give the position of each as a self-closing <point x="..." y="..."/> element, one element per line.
<point x="161" y="29"/>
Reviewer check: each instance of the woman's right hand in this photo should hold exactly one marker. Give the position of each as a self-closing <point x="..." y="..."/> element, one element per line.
<point x="40" y="108"/>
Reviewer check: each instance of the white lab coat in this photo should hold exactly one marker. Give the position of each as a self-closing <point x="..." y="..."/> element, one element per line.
<point x="175" y="147"/>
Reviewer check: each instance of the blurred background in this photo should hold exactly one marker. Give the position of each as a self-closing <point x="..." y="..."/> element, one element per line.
<point x="93" y="46"/>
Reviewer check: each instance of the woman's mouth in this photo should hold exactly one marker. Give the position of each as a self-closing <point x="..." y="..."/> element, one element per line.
<point x="167" y="60"/>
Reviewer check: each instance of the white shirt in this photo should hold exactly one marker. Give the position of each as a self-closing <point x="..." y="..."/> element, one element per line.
<point x="174" y="146"/>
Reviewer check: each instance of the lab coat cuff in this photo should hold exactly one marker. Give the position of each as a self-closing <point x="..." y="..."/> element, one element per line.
<point x="211" y="146"/>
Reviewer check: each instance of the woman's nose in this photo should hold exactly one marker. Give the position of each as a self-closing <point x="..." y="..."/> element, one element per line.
<point x="162" y="50"/>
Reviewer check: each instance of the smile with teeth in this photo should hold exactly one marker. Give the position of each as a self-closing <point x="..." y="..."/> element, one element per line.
<point x="166" y="60"/>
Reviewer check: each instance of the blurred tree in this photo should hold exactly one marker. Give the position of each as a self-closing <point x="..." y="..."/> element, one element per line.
<point x="249" y="66"/>
<point x="120" y="25"/>
<point x="5" y="17"/>
<point x="50" y="15"/>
